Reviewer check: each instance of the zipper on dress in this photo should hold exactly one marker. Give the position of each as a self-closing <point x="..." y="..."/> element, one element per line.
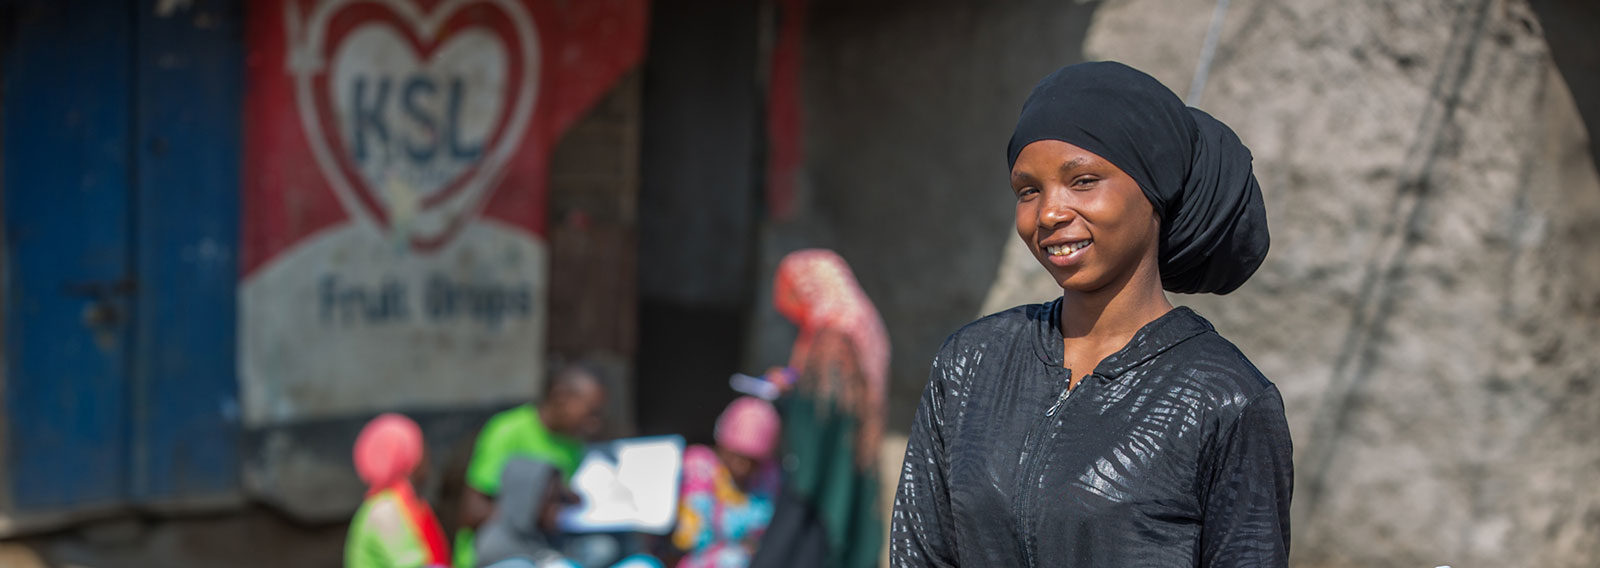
<point x="1065" y="392"/>
<point x="1034" y="439"/>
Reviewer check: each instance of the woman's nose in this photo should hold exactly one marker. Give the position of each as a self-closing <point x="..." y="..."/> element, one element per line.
<point x="1057" y="209"/>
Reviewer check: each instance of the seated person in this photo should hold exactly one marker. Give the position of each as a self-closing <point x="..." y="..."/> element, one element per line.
<point x="726" y="499"/>
<point x="393" y="528"/>
<point x="570" y="412"/>
<point x="522" y="531"/>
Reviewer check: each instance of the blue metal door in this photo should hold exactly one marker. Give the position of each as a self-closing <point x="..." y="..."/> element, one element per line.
<point x="184" y="409"/>
<point x="69" y="274"/>
<point x="121" y="143"/>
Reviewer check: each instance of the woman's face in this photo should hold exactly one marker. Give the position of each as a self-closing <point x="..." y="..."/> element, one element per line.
<point x="788" y="302"/>
<point x="1083" y="218"/>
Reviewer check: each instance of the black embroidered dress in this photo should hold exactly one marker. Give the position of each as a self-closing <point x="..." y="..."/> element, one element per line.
<point x="1174" y="452"/>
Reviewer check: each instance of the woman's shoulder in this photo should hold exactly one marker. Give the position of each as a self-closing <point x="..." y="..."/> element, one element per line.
<point x="989" y="341"/>
<point x="1223" y="370"/>
<point x="1006" y="323"/>
<point x="383" y="515"/>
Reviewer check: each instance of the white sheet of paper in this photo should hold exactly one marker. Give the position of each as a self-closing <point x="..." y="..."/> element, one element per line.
<point x="637" y="492"/>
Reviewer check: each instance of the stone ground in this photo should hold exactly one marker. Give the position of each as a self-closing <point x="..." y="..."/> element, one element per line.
<point x="251" y="538"/>
<point x="269" y="540"/>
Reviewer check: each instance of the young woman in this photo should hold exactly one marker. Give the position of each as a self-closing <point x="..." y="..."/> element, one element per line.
<point x="1106" y="427"/>
<point x="393" y="528"/>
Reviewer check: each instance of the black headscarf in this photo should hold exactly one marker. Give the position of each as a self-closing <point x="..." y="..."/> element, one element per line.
<point x="1192" y="167"/>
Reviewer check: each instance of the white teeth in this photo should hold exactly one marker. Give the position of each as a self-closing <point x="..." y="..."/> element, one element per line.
<point x="1066" y="249"/>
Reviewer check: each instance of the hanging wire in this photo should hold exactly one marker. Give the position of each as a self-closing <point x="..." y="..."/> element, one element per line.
<point x="1202" y="68"/>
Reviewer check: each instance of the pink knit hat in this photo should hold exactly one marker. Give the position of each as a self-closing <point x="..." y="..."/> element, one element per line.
<point x="387" y="450"/>
<point x="749" y="427"/>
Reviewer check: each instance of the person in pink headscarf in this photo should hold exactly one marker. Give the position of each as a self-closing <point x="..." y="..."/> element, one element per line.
<point x="726" y="499"/>
<point x="393" y="528"/>
<point x="833" y="413"/>
<point x="842" y="351"/>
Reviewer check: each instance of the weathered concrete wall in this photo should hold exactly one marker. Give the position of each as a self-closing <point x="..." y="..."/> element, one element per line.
<point x="1429" y="308"/>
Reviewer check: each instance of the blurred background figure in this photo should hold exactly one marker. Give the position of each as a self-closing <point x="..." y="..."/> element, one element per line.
<point x="842" y="352"/>
<point x="552" y="431"/>
<point x="522" y="532"/>
<point x="393" y="528"/>
<point x="832" y="417"/>
<point x="727" y="492"/>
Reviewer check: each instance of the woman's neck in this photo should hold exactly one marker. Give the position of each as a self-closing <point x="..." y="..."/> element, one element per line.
<point x="1114" y="313"/>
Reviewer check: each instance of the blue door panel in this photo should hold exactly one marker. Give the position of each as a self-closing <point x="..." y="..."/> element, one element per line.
<point x="67" y="174"/>
<point x="189" y="75"/>
<point x="121" y="141"/>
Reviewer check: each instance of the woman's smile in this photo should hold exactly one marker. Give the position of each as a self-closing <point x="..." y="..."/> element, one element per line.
<point x="1068" y="253"/>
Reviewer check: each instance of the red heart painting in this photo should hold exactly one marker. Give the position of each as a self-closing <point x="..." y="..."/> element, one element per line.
<point x="416" y="118"/>
<point x="413" y="115"/>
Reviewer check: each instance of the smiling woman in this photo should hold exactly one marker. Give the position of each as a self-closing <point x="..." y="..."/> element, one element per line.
<point x="1166" y="447"/>
<point x="1066" y="197"/>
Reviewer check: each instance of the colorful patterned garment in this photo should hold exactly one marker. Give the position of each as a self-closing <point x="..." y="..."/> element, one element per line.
<point x="718" y="523"/>
<point x="393" y="528"/>
<point x="842" y="351"/>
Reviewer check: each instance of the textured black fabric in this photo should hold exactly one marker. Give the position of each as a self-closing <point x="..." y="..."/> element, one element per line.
<point x="797" y="536"/>
<point x="1193" y="168"/>
<point x="821" y="476"/>
<point x="1174" y="452"/>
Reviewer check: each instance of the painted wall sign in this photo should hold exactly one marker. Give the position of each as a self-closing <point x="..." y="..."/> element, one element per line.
<point x="393" y="253"/>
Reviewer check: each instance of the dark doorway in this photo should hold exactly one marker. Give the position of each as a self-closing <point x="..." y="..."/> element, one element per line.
<point x="698" y="210"/>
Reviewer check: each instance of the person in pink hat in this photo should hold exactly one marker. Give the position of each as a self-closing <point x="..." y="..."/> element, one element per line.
<point x="726" y="499"/>
<point x="394" y="528"/>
